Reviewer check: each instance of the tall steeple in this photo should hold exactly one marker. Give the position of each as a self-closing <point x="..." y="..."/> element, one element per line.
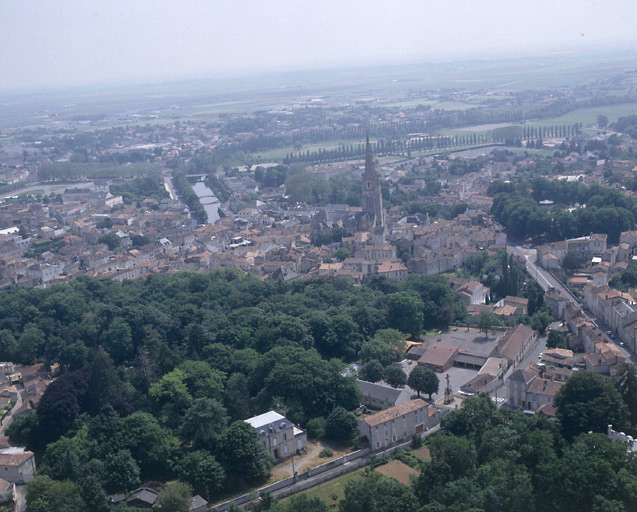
<point x="372" y="198"/>
<point x="369" y="160"/>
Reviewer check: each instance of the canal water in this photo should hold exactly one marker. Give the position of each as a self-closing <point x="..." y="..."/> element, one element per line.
<point x="208" y="200"/>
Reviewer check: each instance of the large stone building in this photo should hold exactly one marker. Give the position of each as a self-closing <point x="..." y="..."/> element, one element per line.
<point x="397" y="424"/>
<point x="278" y="435"/>
<point x="527" y="391"/>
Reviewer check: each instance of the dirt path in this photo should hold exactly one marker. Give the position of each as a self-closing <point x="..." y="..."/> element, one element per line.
<point x="310" y="459"/>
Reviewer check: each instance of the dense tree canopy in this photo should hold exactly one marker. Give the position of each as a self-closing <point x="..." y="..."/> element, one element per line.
<point x="607" y="211"/>
<point x="589" y="402"/>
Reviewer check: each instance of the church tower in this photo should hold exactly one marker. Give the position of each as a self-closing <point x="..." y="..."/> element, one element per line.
<point x="372" y="199"/>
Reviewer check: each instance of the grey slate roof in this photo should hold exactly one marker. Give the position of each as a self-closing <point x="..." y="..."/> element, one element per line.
<point x="385" y="393"/>
<point x="521" y="376"/>
<point x="144" y="495"/>
<point x="197" y="503"/>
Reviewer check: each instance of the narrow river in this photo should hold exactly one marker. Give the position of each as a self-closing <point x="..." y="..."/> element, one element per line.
<point x="208" y="200"/>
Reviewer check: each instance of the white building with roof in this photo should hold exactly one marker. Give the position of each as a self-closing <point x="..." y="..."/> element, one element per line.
<point x="278" y="435"/>
<point x="17" y="465"/>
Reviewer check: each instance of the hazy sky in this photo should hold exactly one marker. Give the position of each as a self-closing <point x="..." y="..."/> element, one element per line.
<point x="65" y="42"/>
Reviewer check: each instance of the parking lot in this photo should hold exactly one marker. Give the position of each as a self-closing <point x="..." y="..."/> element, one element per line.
<point x="470" y="341"/>
<point x="457" y="378"/>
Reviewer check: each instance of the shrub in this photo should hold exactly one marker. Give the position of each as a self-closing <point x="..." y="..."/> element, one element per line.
<point x="314" y="428"/>
<point x="326" y="452"/>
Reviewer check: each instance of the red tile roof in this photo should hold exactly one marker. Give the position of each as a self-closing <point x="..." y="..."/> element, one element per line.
<point x="395" y="412"/>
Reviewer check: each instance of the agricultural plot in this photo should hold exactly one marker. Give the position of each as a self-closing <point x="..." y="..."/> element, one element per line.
<point x="422" y="453"/>
<point x="398" y="471"/>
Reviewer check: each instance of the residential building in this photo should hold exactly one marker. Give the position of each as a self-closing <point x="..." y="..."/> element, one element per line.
<point x="17" y="466"/>
<point x="605" y="358"/>
<point x="473" y="292"/>
<point x="557" y="301"/>
<point x="397" y="424"/>
<point x="520" y="304"/>
<point x="278" y="435"/>
<point x="7" y="490"/>
<point x="527" y="391"/>
<point x="143" y="498"/>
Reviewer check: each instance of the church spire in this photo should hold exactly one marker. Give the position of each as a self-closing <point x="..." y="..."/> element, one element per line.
<point x="372" y="199"/>
<point x="369" y="161"/>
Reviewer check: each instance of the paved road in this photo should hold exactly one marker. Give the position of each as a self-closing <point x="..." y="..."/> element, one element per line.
<point x="168" y="185"/>
<point x="20" y="498"/>
<point x="545" y="279"/>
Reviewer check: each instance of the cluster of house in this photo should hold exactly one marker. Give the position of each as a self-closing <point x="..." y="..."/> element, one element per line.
<point x="534" y="388"/>
<point x="444" y="245"/>
<point x="600" y="261"/>
<point x="58" y="241"/>
<point x="20" y="391"/>
<point x="617" y="309"/>
<point x="551" y="256"/>
<point x="262" y="239"/>
<point x="507" y="354"/>
<point x="621" y="437"/>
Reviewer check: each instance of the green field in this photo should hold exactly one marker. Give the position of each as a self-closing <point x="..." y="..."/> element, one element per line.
<point x="280" y="153"/>
<point x="588" y="116"/>
<point x="333" y="491"/>
<point x="206" y="98"/>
